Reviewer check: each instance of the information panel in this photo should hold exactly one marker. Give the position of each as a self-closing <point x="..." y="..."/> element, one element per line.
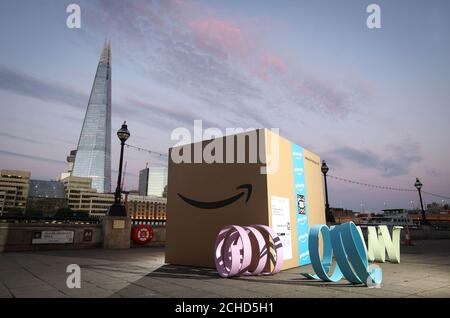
<point x="52" y="237"/>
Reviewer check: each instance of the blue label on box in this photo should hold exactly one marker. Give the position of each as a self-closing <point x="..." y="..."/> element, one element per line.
<point x="301" y="204"/>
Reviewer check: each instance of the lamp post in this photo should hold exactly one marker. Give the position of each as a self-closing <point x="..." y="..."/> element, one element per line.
<point x="328" y="215"/>
<point x="418" y="186"/>
<point x="117" y="209"/>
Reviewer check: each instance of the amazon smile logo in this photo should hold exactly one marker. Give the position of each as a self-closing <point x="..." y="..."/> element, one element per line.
<point x="220" y="203"/>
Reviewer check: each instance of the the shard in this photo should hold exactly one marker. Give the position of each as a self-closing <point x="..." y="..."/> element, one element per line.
<point x="93" y="156"/>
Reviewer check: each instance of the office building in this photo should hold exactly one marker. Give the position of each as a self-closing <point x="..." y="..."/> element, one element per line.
<point x="81" y="196"/>
<point x="146" y="207"/>
<point x="343" y="215"/>
<point x="14" y="186"/>
<point x="153" y="181"/>
<point x="93" y="155"/>
<point x="46" y="197"/>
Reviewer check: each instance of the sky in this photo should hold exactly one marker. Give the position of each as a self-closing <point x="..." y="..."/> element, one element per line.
<point x="373" y="103"/>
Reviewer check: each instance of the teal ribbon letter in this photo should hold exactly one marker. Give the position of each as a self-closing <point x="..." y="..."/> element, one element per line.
<point x="350" y="252"/>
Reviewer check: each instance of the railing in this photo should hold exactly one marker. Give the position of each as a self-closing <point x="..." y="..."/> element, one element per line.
<point x="50" y="220"/>
<point x="148" y="222"/>
<point x="71" y="220"/>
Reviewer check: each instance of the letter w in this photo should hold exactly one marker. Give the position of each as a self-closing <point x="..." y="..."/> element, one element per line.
<point x="381" y="242"/>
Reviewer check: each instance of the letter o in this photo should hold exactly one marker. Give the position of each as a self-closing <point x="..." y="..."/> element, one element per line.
<point x="234" y="254"/>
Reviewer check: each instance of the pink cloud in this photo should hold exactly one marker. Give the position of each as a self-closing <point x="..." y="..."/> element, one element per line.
<point x="184" y="44"/>
<point x="324" y="93"/>
<point x="222" y="34"/>
<point x="275" y="62"/>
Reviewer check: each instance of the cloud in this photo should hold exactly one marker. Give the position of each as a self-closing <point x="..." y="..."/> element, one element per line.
<point x="214" y="34"/>
<point x="17" y="82"/>
<point x="213" y="61"/>
<point x="37" y="158"/>
<point x="397" y="160"/>
<point x="23" y="84"/>
<point x="217" y="62"/>
<point x="167" y="115"/>
<point x="41" y="141"/>
<point x="276" y="62"/>
<point x="20" y="138"/>
<point x="73" y="119"/>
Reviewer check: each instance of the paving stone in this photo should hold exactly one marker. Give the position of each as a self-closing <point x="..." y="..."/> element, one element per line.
<point x="164" y="289"/>
<point x="4" y="291"/>
<point x="150" y="282"/>
<point x="317" y="292"/>
<point x="136" y="291"/>
<point x="272" y="289"/>
<point x="379" y="292"/>
<point x="443" y="292"/>
<point x="32" y="293"/>
<point x="87" y="292"/>
<point x="415" y="286"/>
<point x="23" y="281"/>
<point x="113" y="287"/>
<point x="424" y="272"/>
<point x="12" y="271"/>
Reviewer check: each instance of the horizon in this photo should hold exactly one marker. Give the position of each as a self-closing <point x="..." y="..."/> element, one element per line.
<point x="372" y="103"/>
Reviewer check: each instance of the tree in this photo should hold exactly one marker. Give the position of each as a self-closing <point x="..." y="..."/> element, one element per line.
<point x="13" y="212"/>
<point x="64" y="213"/>
<point x="34" y="213"/>
<point x="81" y="214"/>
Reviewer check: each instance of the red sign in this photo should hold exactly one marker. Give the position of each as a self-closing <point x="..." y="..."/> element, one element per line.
<point x="142" y="234"/>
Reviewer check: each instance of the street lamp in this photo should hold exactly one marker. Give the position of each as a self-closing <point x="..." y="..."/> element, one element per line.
<point x="117" y="209"/>
<point x="328" y="215"/>
<point x="418" y="186"/>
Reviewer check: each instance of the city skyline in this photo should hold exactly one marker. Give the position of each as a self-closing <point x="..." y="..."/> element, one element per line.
<point x="372" y="103"/>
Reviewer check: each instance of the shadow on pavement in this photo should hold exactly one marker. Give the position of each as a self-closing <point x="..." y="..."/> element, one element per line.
<point x="186" y="272"/>
<point x="203" y="273"/>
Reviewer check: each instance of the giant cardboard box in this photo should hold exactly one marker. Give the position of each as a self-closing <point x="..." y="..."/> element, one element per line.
<point x="204" y="196"/>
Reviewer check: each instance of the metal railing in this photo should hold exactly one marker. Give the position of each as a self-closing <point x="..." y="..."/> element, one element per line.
<point x="50" y="220"/>
<point x="148" y="222"/>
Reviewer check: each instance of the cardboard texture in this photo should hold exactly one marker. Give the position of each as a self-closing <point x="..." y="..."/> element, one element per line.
<point x="205" y="197"/>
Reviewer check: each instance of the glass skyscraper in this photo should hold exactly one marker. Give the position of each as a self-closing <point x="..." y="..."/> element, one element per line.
<point x="152" y="181"/>
<point x="93" y="156"/>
